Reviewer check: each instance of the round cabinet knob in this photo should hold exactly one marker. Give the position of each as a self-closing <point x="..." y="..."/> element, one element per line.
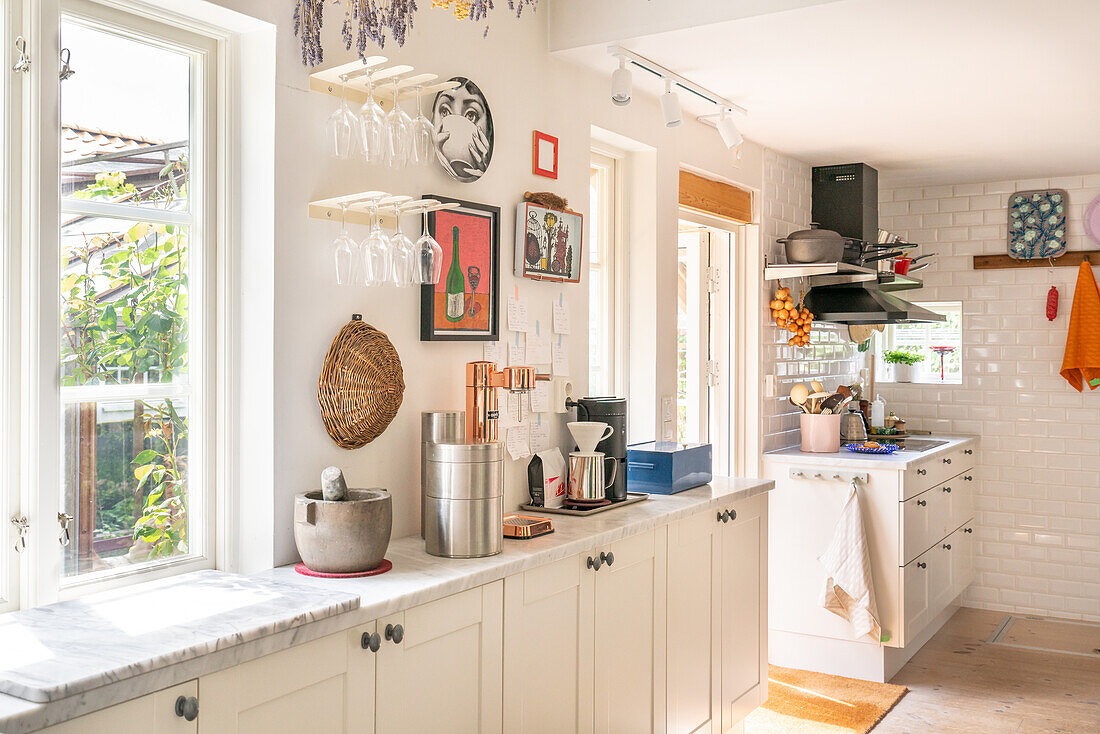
<point x="607" y="558"/>
<point x="947" y="489"/>
<point x="921" y="564"/>
<point x="968" y="530"/>
<point x="721" y="517"/>
<point x="947" y="461"/>
<point x="595" y="563"/>
<point x="187" y="707"/>
<point x="969" y="452"/>
<point x="922" y="472"/>
<point x="370" y="641"/>
<point x="395" y="632"/>
<point x="732" y="514"/>
<point x="968" y="478"/>
<point x="922" y="503"/>
<point x="947" y="546"/>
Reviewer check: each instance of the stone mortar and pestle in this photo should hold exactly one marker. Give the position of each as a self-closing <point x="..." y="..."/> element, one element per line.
<point x="341" y="530"/>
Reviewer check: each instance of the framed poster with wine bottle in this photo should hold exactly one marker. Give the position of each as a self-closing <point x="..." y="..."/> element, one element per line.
<point x="465" y="304"/>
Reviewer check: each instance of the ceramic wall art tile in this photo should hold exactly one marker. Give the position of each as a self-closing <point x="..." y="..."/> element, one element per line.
<point x="1037" y="223"/>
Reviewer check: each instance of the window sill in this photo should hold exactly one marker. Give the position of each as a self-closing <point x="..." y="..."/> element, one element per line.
<point x="918" y="383"/>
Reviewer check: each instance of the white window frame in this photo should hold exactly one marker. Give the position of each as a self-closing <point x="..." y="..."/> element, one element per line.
<point x="885" y="341"/>
<point x="40" y="461"/>
<point x="613" y="324"/>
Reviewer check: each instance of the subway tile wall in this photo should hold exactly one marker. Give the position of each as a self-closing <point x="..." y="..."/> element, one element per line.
<point x="1039" y="495"/>
<point x="830" y="358"/>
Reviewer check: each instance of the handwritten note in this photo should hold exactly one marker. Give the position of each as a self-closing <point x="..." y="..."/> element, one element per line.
<point x="519" y="441"/>
<point x="561" y="319"/>
<point x="510" y="411"/>
<point x="538" y="346"/>
<point x="540" y="436"/>
<point x="494" y="352"/>
<point x="560" y="358"/>
<point x="517" y="352"/>
<point x="540" y="398"/>
<point x="517" y="314"/>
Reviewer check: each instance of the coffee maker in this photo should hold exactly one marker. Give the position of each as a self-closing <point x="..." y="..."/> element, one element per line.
<point x="612" y="411"/>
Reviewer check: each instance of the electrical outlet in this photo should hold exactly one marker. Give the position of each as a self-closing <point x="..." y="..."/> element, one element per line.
<point x="769" y="386"/>
<point x="667" y="405"/>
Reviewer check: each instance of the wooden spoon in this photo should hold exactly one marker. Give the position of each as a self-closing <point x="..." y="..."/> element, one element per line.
<point x="815" y="401"/>
<point x="799" y="393"/>
<point x="816" y="386"/>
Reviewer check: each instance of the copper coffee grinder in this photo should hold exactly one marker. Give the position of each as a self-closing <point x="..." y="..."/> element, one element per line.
<point x="482" y="381"/>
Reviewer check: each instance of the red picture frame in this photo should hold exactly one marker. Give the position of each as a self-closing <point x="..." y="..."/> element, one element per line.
<point x="538" y="158"/>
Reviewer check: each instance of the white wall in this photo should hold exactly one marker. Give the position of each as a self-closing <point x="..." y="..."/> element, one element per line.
<point x="527" y="89"/>
<point x="1039" y="496"/>
<point x="831" y="357"/>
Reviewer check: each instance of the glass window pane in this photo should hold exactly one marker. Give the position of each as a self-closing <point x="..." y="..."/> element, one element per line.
<point x="125" y="483"/>
<point x="125" y="120"/>
<point x="125" y="311"/>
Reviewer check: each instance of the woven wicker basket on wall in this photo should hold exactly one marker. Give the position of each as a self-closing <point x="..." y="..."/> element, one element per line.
<point x="361" y="385"/>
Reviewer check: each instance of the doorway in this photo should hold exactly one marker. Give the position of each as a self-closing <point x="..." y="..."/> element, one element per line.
<point x="705" y="328"/>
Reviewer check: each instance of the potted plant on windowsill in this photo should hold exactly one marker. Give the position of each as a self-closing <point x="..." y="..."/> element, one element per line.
<point x="903" y="361"/>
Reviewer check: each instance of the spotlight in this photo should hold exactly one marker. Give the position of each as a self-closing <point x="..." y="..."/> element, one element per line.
<point x="670" y="106"/>
<point x="731" y="136"/>
<point x="620" y="84"/>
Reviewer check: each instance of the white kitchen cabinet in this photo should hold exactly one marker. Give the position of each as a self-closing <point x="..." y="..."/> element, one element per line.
<point x="548" y="648"/>
<point x="439" y="666"/>
<point x="630" y="637"/>
<point x="744" y="572"/>
<point x="302" y="688"/>
<point x="151" y="714"/>
<point x="584" y="641"/>
<point x="717" y="657"/>
<point x="694" y="620"/>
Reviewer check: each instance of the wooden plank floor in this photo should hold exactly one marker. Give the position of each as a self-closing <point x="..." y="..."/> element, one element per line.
<point x="960" y="683"/>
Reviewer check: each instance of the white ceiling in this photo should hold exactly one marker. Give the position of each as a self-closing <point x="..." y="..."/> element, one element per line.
<point x="926" y="91"/>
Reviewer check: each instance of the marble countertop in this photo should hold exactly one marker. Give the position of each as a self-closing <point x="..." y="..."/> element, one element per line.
<point x="64" y="660"/>
<point x="899" y="460"/>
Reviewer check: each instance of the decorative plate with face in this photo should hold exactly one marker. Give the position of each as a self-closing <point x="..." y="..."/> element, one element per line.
<point x="463" y="131"/>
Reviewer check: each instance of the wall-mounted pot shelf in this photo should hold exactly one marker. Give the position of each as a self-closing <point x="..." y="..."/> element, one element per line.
<point x="820" y="273"/>
<point x="891" y="282"/>
<point x="354" y="75"/>
<point x="1069" y="259"/>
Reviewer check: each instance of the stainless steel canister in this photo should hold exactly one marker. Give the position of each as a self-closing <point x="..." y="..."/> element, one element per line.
<point x="446" y="426"/>
<point x="463" y="499"/>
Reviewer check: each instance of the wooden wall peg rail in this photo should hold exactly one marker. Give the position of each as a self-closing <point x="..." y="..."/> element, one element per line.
<point x="1072" y="258"/>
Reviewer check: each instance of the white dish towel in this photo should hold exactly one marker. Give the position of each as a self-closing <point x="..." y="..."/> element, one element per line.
<point x="849" y="589"/>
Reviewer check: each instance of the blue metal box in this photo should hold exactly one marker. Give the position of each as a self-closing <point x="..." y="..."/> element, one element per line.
<point x="666" y="467"/>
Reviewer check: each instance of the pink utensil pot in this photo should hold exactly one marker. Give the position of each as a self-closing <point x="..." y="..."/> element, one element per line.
<point x="820" y="433"/>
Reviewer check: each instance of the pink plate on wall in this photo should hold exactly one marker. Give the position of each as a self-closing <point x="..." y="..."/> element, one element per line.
<point x="1092" y="220"/>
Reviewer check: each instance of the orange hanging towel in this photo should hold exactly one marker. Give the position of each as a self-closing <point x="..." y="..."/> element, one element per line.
<point x="1081" y="363"/>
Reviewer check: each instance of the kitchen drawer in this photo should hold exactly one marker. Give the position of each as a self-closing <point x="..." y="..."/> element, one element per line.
<point x="959" y="492"/>
<point x="936" y="470"/>
<point x="924" y="521"/>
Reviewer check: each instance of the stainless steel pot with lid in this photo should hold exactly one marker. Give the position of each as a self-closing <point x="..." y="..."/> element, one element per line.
<point x="814" y="245"/>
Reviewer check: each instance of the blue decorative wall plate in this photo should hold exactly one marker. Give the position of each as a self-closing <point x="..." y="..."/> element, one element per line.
<point x="1037" y="224"/>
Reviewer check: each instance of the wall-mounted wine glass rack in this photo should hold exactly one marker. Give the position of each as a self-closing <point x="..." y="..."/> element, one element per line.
<point x="355" y="74"/>
<point x="360" y="205"/>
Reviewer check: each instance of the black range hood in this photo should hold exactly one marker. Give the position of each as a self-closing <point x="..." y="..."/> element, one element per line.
<point x="864" y="303"/>
<point x="845" y="199"/>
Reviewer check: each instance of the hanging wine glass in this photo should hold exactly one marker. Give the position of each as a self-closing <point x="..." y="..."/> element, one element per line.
<point x="398" y="141"/>
<point x="372" y="124"/>
<point x="346" y="253"/>
<point x="422" y="134"/>
<point x="429" y="255"/>
<point x="376" y="252"/>
<point x="343" y="127"/>
<point x="403" y="273"/>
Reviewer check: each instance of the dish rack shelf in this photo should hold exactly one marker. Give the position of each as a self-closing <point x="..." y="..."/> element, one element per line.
<point x="354" y="75"/>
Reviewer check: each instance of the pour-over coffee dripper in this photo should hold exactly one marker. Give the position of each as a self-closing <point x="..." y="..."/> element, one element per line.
<point x="588" y="434"/>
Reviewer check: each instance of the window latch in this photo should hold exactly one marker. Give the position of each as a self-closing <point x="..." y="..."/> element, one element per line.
<point x="21" y="529"/>
<point x="24" y="63"/>
<point x="63" y="519"/>
<point x="66" y="70"/>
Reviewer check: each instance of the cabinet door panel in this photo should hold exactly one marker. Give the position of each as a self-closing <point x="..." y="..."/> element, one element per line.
<point x="744" y="572"/>
<point x="693" y="625"/>
<point x="627" y="634"/>
<point x="548" y="639"/>
<point x="247" y="697"/>
<point x="445" y="675"/>
<point x="915" y="586"/>
<point x="151" y="714"/>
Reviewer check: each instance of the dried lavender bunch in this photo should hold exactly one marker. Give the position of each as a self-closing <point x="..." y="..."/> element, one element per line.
<point x="308" y="19"/>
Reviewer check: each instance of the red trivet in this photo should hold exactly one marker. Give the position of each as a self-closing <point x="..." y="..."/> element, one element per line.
<point x="305" y="570"/>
